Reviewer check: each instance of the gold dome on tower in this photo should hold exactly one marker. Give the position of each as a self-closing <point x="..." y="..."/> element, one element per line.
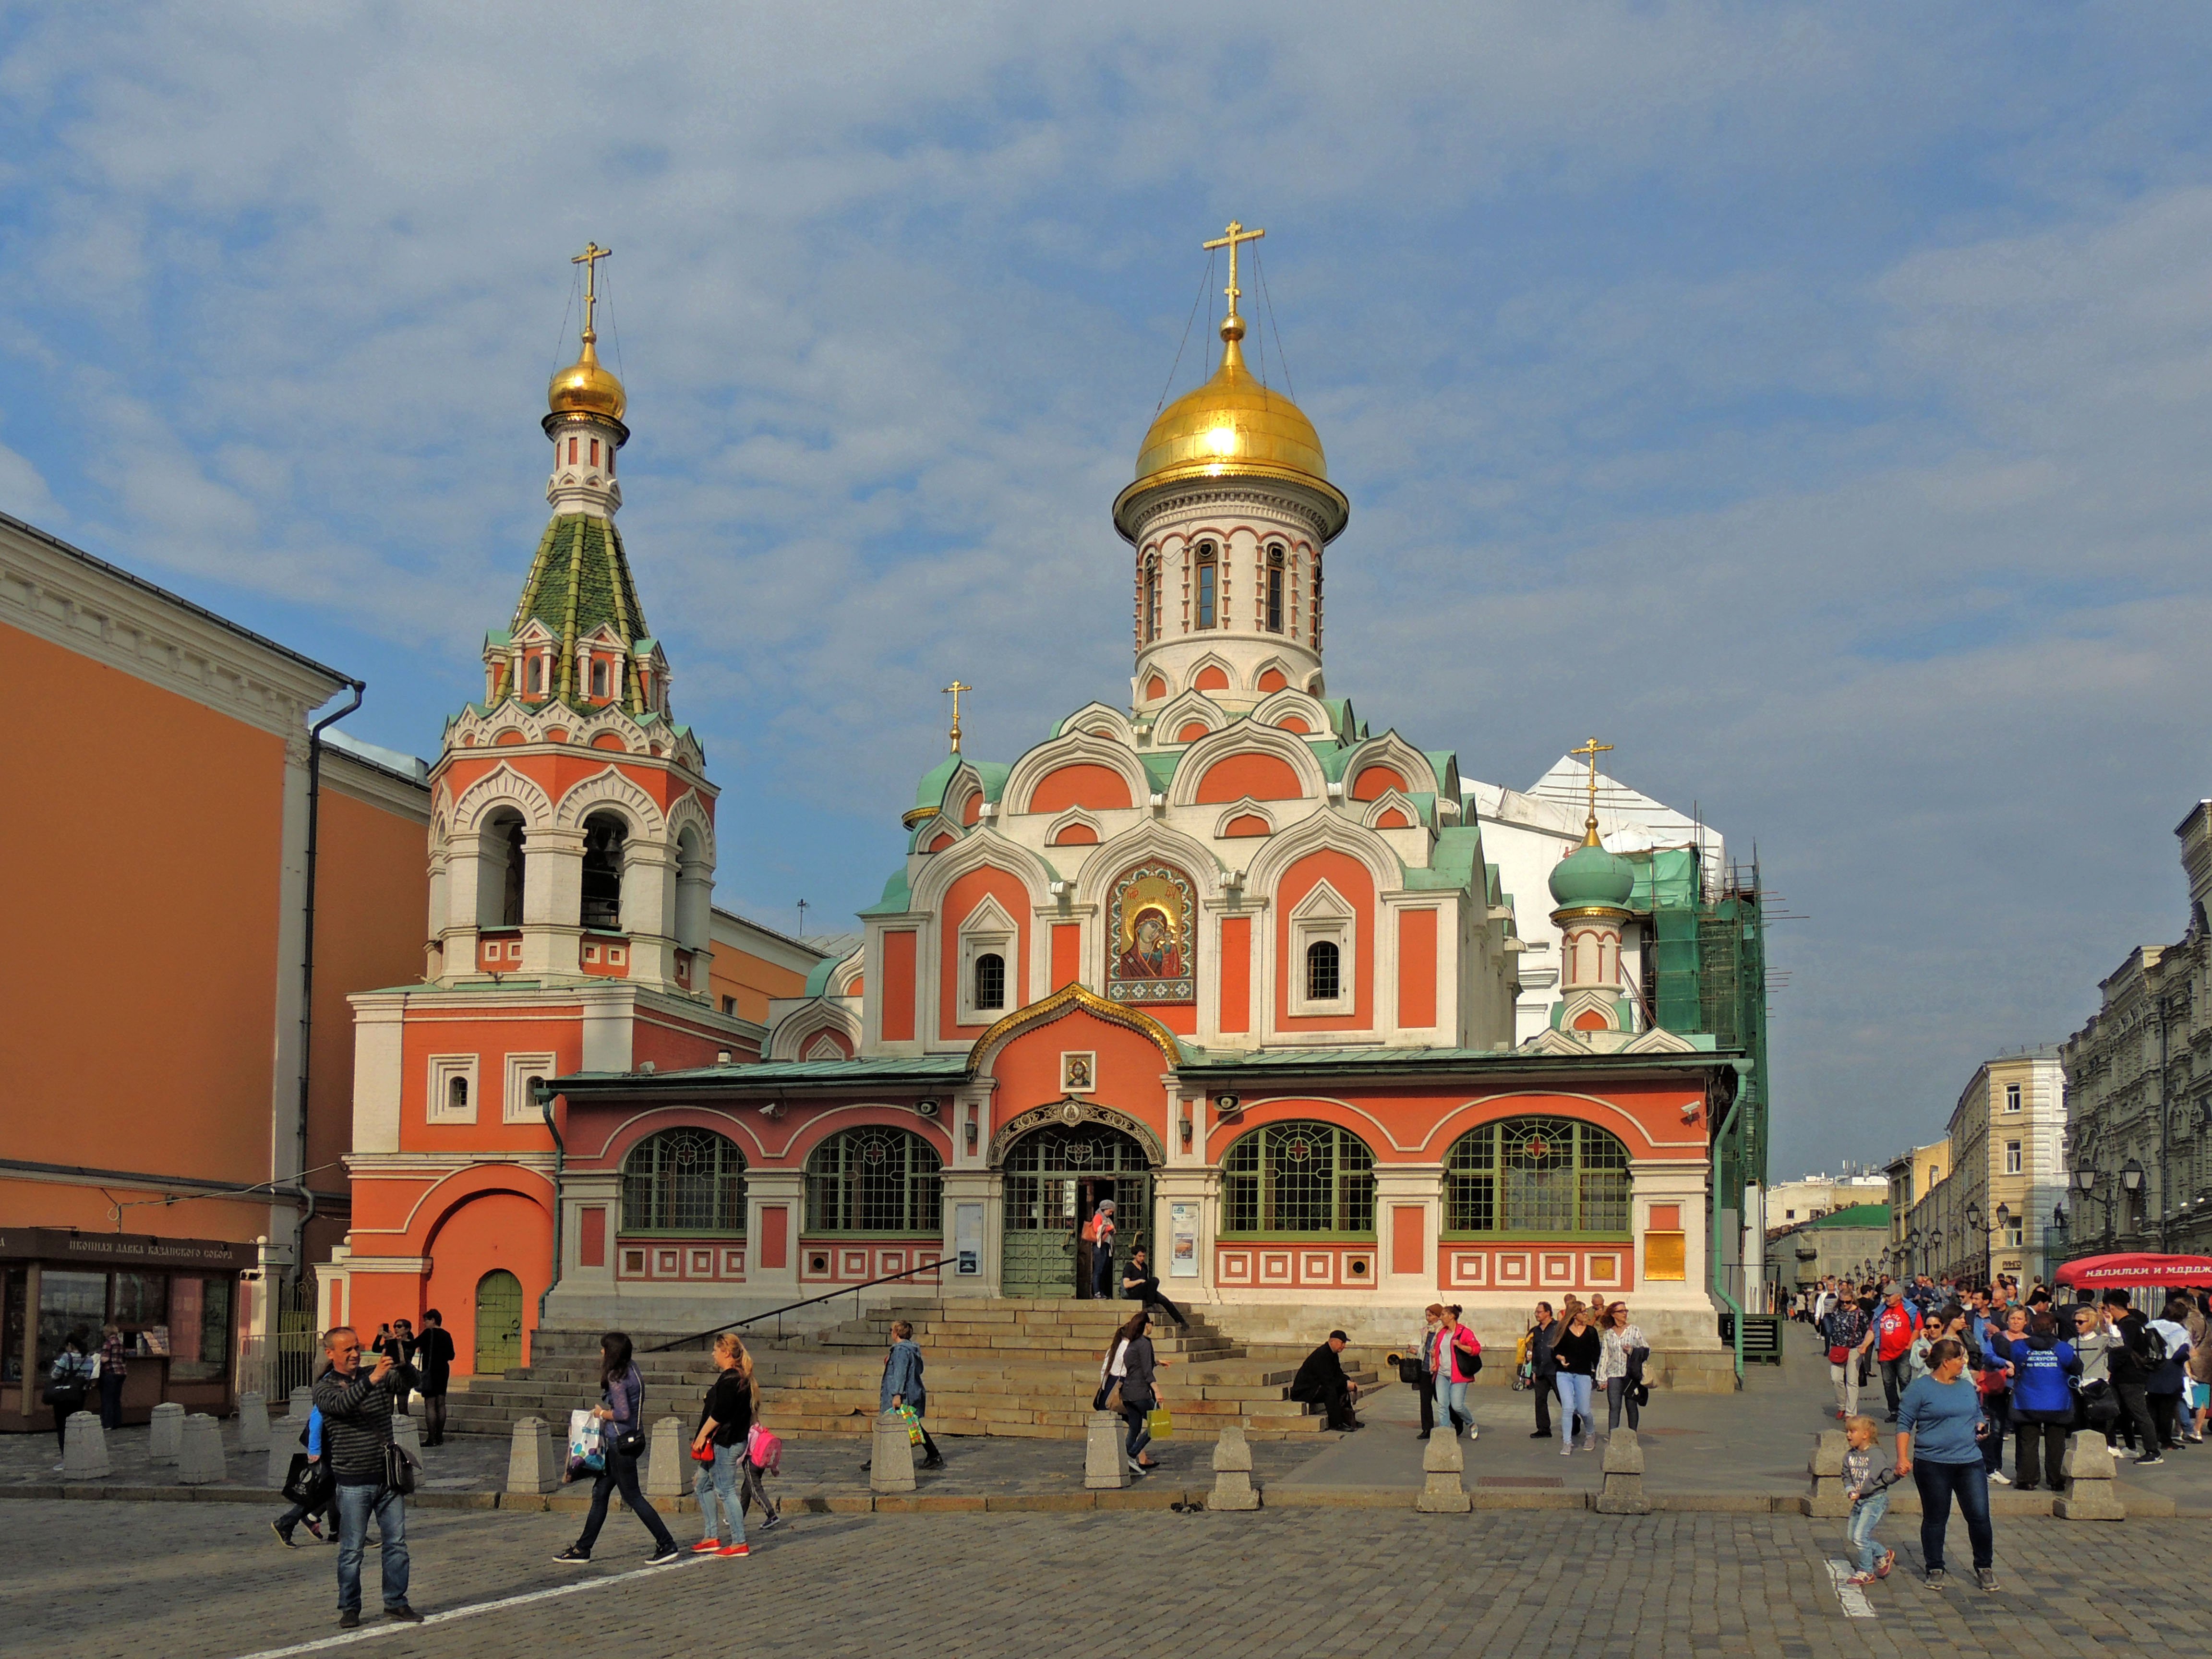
<point x="1234" y="426"/>
<point x="587" y="386"/>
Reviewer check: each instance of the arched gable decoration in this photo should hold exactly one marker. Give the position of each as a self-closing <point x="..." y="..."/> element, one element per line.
<point x="1069" y="1114"/>
<point x="1290" y="701"/>
<point x="1171" y="717"/>
<point x="1092" y="716"/>
<point x="1389" y="806"/>
<point x="981" y="847"/>
<point x="1151" y="840"/>
<point x="501" y="787"/>
<point x="1078" y="748"/>
<point x="1244" y="818"/>
<point x="1075" y="828"/>
<point x="616" y="789"/>
<point x="1211" y="664"/>
<point x="690" y="812"/>
<point x="1331" y="830"/>
<point x="1067" y="998"/>
<point x="797" y="1029"/>
<point x="1244" y="736"/>
<point x="1414" y="773"/>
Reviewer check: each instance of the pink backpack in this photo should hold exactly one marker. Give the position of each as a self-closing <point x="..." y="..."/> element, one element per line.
<point x="764" y="1451"/>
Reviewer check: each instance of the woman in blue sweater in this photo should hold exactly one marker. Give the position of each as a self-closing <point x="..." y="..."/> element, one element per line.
<point x="1938" y="1428"/>
<point x="622" y="1409"/>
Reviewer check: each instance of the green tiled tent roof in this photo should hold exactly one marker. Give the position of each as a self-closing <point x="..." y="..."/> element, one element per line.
<point x="578" y="581"/>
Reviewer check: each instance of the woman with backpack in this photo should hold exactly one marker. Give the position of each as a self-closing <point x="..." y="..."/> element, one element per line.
<point x="622" y="1411"/>
<point x="1995" y="1381"/>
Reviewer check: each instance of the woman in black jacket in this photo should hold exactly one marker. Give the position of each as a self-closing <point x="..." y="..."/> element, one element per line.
<point x="1130" y="1361"/>
<point x="622" y="1409"/>
<point x="1576" y="1354"/>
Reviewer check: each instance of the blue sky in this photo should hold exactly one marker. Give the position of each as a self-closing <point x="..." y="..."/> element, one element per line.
<point x="1815" y="401"/>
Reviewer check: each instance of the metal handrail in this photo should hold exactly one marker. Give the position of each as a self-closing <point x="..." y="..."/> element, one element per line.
<point x="777" y="1313"/>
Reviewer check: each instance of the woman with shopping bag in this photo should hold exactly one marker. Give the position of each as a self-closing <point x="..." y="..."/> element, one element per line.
<point x="903" y="1391"/>
<point x="1128" y="1384"/>
<point x="621" y="1415"/>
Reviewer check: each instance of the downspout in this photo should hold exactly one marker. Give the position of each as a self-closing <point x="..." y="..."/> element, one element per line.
<point x="559" y="1159"/>
<point x="1730" y="1125"/>
<point x="307" y="960"/>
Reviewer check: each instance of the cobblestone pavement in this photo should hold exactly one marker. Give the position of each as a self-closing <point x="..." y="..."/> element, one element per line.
<point x="206" y="1582"/>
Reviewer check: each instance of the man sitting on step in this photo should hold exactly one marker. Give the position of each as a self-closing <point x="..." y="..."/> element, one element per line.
<point x="1138" y="1284"/>
<point x="1321" y="1382"/>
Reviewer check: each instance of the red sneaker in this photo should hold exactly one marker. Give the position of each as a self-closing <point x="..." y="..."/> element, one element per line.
<point x="735" y="1549"/>
<point x="706" y="1547"/>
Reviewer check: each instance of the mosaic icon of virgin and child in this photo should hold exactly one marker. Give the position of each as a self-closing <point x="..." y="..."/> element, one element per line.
<point x="1154" y="949"/>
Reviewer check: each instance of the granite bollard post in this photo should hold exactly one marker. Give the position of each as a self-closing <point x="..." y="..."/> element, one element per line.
<point x="1442" y="1461"/>
<point x="664" y="1460"/>
<point x="532" y="1463"/>
<point x="168" y="1433"/>
<point x="407" y="1432"/>
<point x="199" y="1451"/>
<point x="891" y="1466"/>
<point x="1826" y="1498"/>
<point x="252" y="1422"/>
<point x="303" y="1403"/>
<point x="1105" y="1465"/>
<point x="2090" y="1494"/>
<point x="1232" y="1472"/>
<point x="85" y="1455"/>
<point x="284" y="1444"/>
<point x="1623" y="1492"/>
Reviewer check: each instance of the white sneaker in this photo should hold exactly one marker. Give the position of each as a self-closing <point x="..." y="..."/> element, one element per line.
<point x="1472" y="1432"/>
<point x="1567" y="1451"/>
<point x="2000" y="1477"/>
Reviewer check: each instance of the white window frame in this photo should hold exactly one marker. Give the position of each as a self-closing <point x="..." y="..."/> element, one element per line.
<point x="1323" y="914"/>
<point x="515" y="1105"/>
<point x="2015" y="1163"/>
<point x="444" y="1068"/>
<point x="988" y="929"/>
<point x="2012" y="1097"/>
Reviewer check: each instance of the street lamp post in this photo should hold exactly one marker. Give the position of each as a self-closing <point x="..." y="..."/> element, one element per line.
<point x="2131" y="1178"/>
<point x="2085" y="1181"/>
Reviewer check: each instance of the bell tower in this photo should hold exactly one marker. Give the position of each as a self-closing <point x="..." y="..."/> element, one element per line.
<point x="1229" y="511"/>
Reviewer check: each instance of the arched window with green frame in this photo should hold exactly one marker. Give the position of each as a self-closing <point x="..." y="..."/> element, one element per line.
<point x="685" y="1181"/>
<point x="1298" y="1179"/>
<point x="1536" y="1175"/>
<point x="875" y="1181"/>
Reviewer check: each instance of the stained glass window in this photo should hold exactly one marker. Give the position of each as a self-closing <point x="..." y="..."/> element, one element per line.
<point x="875" y="1181"/>
<point x="1536" y="1175"/>
<point x="1298" y="1177"/>
<point x="687" y="1180"/>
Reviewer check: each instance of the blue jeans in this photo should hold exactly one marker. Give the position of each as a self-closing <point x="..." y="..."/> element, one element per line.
<point x="1939" y="1483"/>
<point x="1101" y="1269"/>
<point x="1454" y="1398"/>
<point x="1866" y="1515"/>
<point x="354" y="1504"/>
<point x="1575" y="1401"/>
<point x="1140" y="1429"/>
<point x="621" y="1473"/>
<point x="718" y="1480"/>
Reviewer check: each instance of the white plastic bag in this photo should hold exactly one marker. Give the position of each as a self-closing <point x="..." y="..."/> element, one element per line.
<point x="587" y="1445"/>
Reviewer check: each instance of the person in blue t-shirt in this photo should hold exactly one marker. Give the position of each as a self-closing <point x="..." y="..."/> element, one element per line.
<point x="1939" y="1427"/>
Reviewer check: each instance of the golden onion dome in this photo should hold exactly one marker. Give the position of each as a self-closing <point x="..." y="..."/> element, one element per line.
<point x="587" y="386"/>
<point x="1234" y="427"/>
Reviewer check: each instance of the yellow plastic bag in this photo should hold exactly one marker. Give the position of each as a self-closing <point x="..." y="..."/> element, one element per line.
<point x="1160" y="1422"/>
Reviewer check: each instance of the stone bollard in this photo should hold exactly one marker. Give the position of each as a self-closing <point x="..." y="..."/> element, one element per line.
<point x="1441" y="1461"/>
<point x="252" y="1422"/>
<point x="200" y="1455"/>
<point x="285" y="1443"/>
<point x="891" y="1465"/>
<point x="85" y="1456"/>
<point x="1105" y="1465"/>
<point x="1826" y="1499"/>
<point x="665" y="1456"/>
<point x="303" y="1403"/>
<point x="532" y="1466"/>
<point x="406" y="1431"/>
<point x="168" y="1433"/>
<point x="2089" y="1494"/>
<point x="1232" y="1472"/>
<point x="1623" y="1492"/>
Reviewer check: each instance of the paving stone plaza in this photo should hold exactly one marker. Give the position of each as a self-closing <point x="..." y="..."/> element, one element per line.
<point x="1006" y="1551"/>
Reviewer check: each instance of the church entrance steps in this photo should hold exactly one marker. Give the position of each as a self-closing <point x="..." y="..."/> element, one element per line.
<point x="1004" y="1366"/>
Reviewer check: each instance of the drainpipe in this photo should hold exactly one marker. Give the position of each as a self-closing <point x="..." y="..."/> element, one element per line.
<point x="1730" y="1125"/>
<point x="559" y="1159"/>
<point x="307" y="960"/>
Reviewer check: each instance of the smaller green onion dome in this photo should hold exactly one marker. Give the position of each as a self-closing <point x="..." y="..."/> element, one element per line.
<point x="930" y="795"/>
<point x="1590" y="877"/>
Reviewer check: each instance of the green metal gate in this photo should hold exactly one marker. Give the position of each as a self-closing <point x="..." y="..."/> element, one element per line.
<point x="498" y="1322"/>
<point x="1054" y="1177"/>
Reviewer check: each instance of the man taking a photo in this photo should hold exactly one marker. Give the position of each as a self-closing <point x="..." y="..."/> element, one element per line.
<point x="357" y="1407"/>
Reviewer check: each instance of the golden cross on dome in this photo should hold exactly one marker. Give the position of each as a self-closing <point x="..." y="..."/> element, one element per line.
<point x="589" y="258"/>
<point x="1590" y="751"/>
<point x="1230" y="239"/>
<point x="956" y="689"/>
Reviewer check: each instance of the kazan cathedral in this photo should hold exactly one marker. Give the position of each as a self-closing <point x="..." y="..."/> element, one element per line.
<point x="1339" y="1030"/>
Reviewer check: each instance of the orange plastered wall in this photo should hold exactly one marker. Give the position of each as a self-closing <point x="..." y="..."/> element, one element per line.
<point x="1419" y="1125"/>
<point x="1099" y="788"/>
<point x="487" y="1233"/>
<point x="965" y="894"/>
<point x="1263" y="777"/>
<point x="372" y="905"/>
<point x="158" y="825"/>
<point x="674" y="1044"/>
<point x="752" y="982"/>
<point x="1349" y="876"/>
<point x="66" y="1203"/>
<point x="1417" y="968"/>
<point x="491" y="1037"/>
<point x="1128" y="1076"/>
<point x="898" y="1007"/>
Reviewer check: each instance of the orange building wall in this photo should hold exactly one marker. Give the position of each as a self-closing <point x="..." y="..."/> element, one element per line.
<point x="1099" y="788"/>
<point x="1349" y="876"/>
<point x="1263" y="777"/>
<point x="960" y="901"/>
<point x="1417" y="968"/>
<point x="898" y="1010"/>
<point x="158" y="844"/>
<point x="751" y="980"/>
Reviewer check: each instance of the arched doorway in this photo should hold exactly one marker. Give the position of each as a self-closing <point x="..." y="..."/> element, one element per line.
<point x="498" y="1322"/>
<point x="1055" y="1178"/>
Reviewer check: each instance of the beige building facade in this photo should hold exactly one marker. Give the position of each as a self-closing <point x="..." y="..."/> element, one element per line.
<point x="1982" y="1200"/>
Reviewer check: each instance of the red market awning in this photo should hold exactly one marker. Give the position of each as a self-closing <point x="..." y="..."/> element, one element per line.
<point x="2138" y="1268"/>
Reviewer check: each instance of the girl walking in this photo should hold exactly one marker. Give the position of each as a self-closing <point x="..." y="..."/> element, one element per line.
<point x="725" y="1423"/>
<point x="1618" y="1363"/>
<point x="1577" y="1353"/>
<point x="622" y="1409"/>
<point x="1869" y="1490"/>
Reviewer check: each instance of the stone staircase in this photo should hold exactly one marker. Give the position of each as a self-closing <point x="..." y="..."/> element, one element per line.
<point x="1004" y="1366"/>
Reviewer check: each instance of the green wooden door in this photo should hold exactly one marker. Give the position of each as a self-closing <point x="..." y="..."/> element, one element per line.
<point x="1046" y="1173"/>
<point x="498" y="1322"/>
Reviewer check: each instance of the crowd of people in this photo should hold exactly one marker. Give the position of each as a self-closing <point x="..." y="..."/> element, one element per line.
<point x="1963" y="1366"/>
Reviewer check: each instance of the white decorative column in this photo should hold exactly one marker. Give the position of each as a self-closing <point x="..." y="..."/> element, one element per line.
<point x="1409" y="1187"/>
<point x="767" y="1190"/>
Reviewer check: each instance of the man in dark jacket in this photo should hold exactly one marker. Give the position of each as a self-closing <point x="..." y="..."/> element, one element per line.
<point x="1543" y="1367"/>
<point x="357" y="1407"/>
<point x="2130" y="1371"/>
<point x="1321" y="1382"/>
